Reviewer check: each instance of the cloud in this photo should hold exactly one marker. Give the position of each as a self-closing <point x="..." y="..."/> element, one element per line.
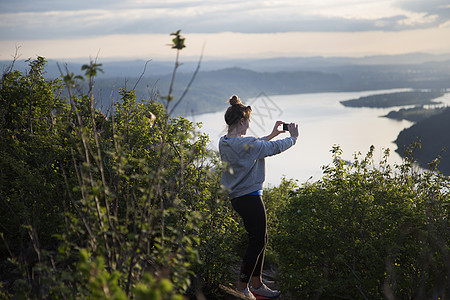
<point x="47" y="19"/>
<point x="437" y="10"/>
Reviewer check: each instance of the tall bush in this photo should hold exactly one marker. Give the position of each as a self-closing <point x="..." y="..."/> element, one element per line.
<point x="367" y="232"/>
<point x="102" y="206"/>
<point x="32" y="194"/>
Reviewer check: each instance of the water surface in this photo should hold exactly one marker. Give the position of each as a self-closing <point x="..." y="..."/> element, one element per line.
<point x="323" y="123"/>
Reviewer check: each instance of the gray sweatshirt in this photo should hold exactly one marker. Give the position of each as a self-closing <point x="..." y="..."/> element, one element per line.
<point x="245" y="171"/>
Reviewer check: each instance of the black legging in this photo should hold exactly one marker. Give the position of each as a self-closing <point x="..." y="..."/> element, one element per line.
<point x="253" y="212"/>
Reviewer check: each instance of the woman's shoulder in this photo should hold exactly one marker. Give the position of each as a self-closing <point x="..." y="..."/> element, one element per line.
<point x="244" y="141"/>
<point x="239" y="139"/>
<point x="250" y="138"/>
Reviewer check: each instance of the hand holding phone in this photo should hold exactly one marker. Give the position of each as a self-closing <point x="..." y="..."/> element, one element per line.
<point x="293" y="131"/>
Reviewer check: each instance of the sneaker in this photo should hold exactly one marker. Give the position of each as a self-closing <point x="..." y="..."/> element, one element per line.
<point x="264" y="291"/>
<point x="248" y="294"/>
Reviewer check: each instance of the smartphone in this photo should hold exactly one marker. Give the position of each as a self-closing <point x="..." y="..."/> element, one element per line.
<point x="285" y="127"/>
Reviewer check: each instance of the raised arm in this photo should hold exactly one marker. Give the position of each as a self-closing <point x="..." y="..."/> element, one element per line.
<point x="274" y="132"/>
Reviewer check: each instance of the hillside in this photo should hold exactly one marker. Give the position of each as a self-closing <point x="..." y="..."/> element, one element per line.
<point x="414" y="114"/>
<point x="410" y="64"/>
<point x="435" y="140"/>
<point x="211" y="89"/>
<point x="395" y="99"/>
<point x="219" y="79"/>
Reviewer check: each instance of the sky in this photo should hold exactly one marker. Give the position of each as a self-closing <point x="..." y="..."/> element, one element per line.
<point x="221" y="29"/>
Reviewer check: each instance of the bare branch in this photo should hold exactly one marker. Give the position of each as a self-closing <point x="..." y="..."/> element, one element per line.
<point x="190" y="82"/>
<point x="143" y="72"/>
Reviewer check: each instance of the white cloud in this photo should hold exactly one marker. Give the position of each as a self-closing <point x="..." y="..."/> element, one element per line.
<point x="50" y="19"/>
<point x="419" y="19"/>
<point x="445" y="25"/>
<point x="367" y="10"/>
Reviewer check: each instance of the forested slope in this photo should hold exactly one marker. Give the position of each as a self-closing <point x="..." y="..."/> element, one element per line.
<point x="434" y="136"/>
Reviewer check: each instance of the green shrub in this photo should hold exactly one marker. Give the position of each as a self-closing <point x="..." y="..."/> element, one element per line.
<point x="137" y="189"/>
<point x="366" y="231"/>
<point x="275" y="201"/>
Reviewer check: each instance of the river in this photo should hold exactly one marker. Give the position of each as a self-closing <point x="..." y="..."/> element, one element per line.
<point x="323" y="122"/>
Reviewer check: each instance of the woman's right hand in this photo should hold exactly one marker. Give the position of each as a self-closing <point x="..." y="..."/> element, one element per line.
<point x="293" y="129"/>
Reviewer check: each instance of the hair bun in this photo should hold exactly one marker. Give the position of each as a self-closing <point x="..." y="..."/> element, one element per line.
<point x="234" y="100"/>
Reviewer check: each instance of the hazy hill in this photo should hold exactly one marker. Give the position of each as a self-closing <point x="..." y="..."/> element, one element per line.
<point x="434" y="134"/>
<point x="219" y="79"/>
<point x="211" y="89"/>
<point x="395" y="99"/>
<point x="134" y="68"/>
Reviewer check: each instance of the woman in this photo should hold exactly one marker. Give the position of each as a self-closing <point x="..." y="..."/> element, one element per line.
<point x="244" y="178"/>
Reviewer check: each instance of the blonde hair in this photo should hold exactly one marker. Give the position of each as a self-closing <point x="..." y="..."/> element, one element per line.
<point x="236" y="111"/>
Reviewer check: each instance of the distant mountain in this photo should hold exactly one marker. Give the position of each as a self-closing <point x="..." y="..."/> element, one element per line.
<point x="211" y="89"/>
<point x="219" y="79"/>
<point x="134" y="68"/>
<point x="395" y="99"/>
<point x="123" y="69"/>
<point x="434" y="135"/>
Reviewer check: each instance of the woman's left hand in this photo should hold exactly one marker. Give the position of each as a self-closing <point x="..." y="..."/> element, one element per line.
<point x="275" y="131"/>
